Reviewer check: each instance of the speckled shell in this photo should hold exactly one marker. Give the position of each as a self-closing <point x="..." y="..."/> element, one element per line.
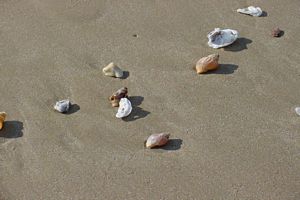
<point x="157" y="140"/>
<point x="221" y="38"/>
<point x="112" y="70"/>
<point x="62" y="106"/>
<point x="125" y="108"/>
<point x="115" y="98"/>
<point x="2" y="119"/>
<point x="207" y="63"/>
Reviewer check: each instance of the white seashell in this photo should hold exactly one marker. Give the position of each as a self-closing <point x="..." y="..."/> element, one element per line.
<point x="62" y="106"/>
<point x="297" y="110"/>
<point x="221" y="38"/>
<point x="112" y="70"/>
<point x="251" y="10"/>
<point x="125" y="108"/>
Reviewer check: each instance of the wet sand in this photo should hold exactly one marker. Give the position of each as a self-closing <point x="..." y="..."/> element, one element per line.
<point x="234" y="131"/>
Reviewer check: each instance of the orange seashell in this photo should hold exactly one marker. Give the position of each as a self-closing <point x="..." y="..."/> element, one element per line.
<point x="116" y="97"/>
<point x="157" y="140"/>
<point x="2" y="118"/>
<point x="207" y="63"/>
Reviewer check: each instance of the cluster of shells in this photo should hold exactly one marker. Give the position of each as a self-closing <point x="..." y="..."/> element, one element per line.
<point x="218" y="38"/>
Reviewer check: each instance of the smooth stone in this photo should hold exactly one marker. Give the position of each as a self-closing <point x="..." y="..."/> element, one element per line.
<point x="157" y="140"/>
<point x="113" y="70"/>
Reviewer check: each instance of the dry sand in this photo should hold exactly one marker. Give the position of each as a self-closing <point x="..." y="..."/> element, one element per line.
<point x="235" y="133"/>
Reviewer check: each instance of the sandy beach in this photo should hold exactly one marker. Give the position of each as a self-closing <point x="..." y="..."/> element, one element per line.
<point x="234" y="132"/>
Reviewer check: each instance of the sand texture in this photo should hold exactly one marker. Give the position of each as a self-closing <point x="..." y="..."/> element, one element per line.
<point x="234" y="131"/>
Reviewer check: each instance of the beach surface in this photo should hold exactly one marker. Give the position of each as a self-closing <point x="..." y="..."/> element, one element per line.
<point x="234" y="131"/>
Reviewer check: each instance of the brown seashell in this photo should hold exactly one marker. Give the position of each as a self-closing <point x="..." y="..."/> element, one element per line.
<point x="116" y="97"/>
<point x="276" y="32"/>
<point x="207" y="63"/>
<point x="2" y="118"/>
<point x="157" y="140"/>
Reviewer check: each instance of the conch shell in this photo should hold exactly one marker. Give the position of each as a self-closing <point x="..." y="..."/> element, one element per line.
<point x="276" y="32"/>
<point x="125" y="108"/>
<point x="2" y="118"/>
<point x="115" y="98"/>
<point x="62" y="106"/>
<point x="157" y="140"/>
<point x="207" y="63"/>
<point x="220" y="38"/>
<point x="112" y="70"/>
<point x="251" y="10"/>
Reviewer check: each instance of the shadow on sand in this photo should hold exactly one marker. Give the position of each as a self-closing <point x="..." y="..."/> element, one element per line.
<point x="239" y="45"/>
<point x="73" y="109"/>
<point x="137" y="112"/>
<point x="12" y="129"/>
<point x="224" y="69"/>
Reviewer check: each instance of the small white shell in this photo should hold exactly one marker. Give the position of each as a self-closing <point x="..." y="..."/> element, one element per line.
<point x="297" y="110"/>
<point x="112" y="70"/>
<point x="125" y="108"/>
<point x="220" y="38"/>
<point x="251" y="10"/>
<point x="62" y="106"/>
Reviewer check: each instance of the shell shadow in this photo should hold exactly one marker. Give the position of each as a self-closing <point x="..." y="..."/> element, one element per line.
<point x="136" y="100"/>
<point x="125" y="75"/>
<point x="137" y="112"/>
<point x="73" y="109"/>
<point x="264" y="14"/>
<point x="224" y="69"/>
<point x="12" y="129"/>
<point x="172" y="145"/>
<point x="281" y="33"/>
<point x="239" y="45"/>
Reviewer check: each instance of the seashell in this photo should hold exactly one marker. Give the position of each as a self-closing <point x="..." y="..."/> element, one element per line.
<point x="62" y="106"/>
<point x="125" y="108"/>
<point x="157" y="140"/>
<point x="2" y="119"/>
<point x="207" y="63"/>
<point x="276" y="32"/>
<point x="115" y="98"/>
<point x="221" y="38"/>
<point x="112" y="70"/>
<point x="297" y="110"/>
<point x="251" y="10"/>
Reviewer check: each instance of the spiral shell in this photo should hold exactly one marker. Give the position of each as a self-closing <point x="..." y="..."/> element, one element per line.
<point x="2" y="118"/>
<point x="207" y="63"/>
<point x="115" y="98"/>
